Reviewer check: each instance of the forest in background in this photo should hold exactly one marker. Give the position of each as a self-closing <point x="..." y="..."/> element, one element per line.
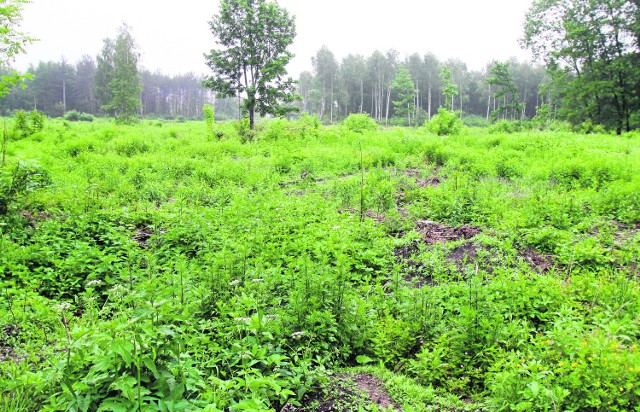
<point x="356" y="84"/>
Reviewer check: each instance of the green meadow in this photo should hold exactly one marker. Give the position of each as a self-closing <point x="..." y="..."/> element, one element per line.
<point x="165" y="267"/>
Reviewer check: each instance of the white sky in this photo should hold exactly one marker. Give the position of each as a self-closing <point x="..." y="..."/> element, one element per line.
<point x="173" y="35"/>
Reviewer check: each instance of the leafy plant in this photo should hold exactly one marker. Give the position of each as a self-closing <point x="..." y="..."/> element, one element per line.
<point x="445" y="123"/>
<point x="360" y="123"/>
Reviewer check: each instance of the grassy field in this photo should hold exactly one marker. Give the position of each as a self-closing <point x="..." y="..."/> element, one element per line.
<point x="162" y="267"/>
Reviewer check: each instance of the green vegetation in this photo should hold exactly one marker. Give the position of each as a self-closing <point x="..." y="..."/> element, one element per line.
<point x="254" y="36"/>
<point x="163" y="268"/>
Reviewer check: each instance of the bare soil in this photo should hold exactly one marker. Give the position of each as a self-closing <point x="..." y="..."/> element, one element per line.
<point x="346" y="393"/>
<point x="434" y="232"/>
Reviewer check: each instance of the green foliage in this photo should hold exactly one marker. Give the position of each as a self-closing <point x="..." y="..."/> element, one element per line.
<point x="165" y="270"/>
<point x="75" y="116"/>
<point x="13" y="43"/>
<point x="505" y="126"/>
<point x="592" y="84"/>
<point x="509" y="106"/>
<point x="360" y="123"/>
<point x="26" y="124"/>
<point x="14" y="182"/>
<point x="445" y="123"/>
<point x="475" y="121"/>
<point x="450" y="89"/>
<point x="406" y="94"/>
<point x="117" y="80"/>
<point x="254" y="36"/>
<point x="210" y="121"/>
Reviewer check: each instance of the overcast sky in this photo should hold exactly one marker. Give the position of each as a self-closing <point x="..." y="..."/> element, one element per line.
<point x="173" y="35"/>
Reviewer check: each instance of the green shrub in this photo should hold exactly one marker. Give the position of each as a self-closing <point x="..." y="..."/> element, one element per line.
<point x="475" y="121"/>
<point x="24" y="177"/>
<point x="445" y="123"/>
<point x="505" y="126"/>
<point x="72" y="116"/>
<point x="27" y="123"/>
<point x="360" y="123"/>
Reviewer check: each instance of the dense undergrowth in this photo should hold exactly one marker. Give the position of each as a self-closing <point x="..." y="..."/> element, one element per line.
<point x="166" y="267"/>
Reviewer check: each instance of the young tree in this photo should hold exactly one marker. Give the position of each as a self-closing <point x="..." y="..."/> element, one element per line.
<point x="405" y="93"/>
<point x="450" y="89"/>
<point x="505" y="92"/>
<point x="254" y="36"/>
<point x="118" y="84"/>
<point x="12" y="42"/>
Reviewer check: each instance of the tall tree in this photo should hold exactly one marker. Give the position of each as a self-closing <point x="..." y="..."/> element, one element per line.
<point x="254" y="36"/>
<point x="125" y="84"/>
<point x="325" y="67"/>
<point x="592" y="51"/>
<point x="104" y="74"/>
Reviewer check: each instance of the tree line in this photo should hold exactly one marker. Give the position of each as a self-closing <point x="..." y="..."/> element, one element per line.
<point x="412" y="89"/>
<point x="590" y="50"/>
<point x="58" y="87"/>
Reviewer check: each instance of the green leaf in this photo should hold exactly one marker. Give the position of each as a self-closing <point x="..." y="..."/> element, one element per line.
<point x="363" y="359"/>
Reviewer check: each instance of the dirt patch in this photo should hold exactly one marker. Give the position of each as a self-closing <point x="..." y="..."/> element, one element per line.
<point x="35" y="217"/>
<point x="346" y="393"/>
<point x="376" y="391"/>
<point x="142" y="236"/>
<point x="541" y="263"/>
<point x="424" y="182"/>
<point x="464" y="253"/>
<point x="434" y="232"/>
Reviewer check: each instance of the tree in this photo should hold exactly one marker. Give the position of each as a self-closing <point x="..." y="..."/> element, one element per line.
<point x="325" y="67"/>
<point x="505" y="92"/>
<point x="254" y="36"/>
<point x="450" y="89"/>
<point x="592" y="51"/>
<point x="405" y="93"/>
<point x="118" y="84"/>
<point x="12" y="43"/>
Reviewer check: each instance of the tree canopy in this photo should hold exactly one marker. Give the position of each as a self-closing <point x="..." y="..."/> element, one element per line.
<point x="117" y="83"/>
<point x="12" y="42"/>
<point x="591" y="49"/>
<point x="251" y="63"/>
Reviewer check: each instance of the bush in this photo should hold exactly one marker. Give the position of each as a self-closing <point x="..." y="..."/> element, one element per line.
<point x="473" y="120"/>
<point x="445" y="123"/>
<point x="505" y="126"/>
<point x="27" y="123"/>
<point x="360" y="123"/>
<point x="72" y="116"/>
<point x="85" y="117"/>
<point x="75" y="116"/>
<point x="23" y="178"/>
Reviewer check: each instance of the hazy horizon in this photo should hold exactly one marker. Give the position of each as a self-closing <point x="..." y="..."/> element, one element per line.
<point x="172" y="40"/>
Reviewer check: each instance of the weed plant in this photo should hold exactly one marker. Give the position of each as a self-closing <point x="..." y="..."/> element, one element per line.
<point x="159" y="267"/>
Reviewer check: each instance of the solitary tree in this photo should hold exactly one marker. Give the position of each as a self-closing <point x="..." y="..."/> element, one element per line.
<point x="254" y="36"/>
<point x="117" y="84"/>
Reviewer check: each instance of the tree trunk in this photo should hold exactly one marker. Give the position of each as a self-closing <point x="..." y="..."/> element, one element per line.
<point x="386" y="118"/>
<point x="489" y="103"/>
<point x="429" y="103"/>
